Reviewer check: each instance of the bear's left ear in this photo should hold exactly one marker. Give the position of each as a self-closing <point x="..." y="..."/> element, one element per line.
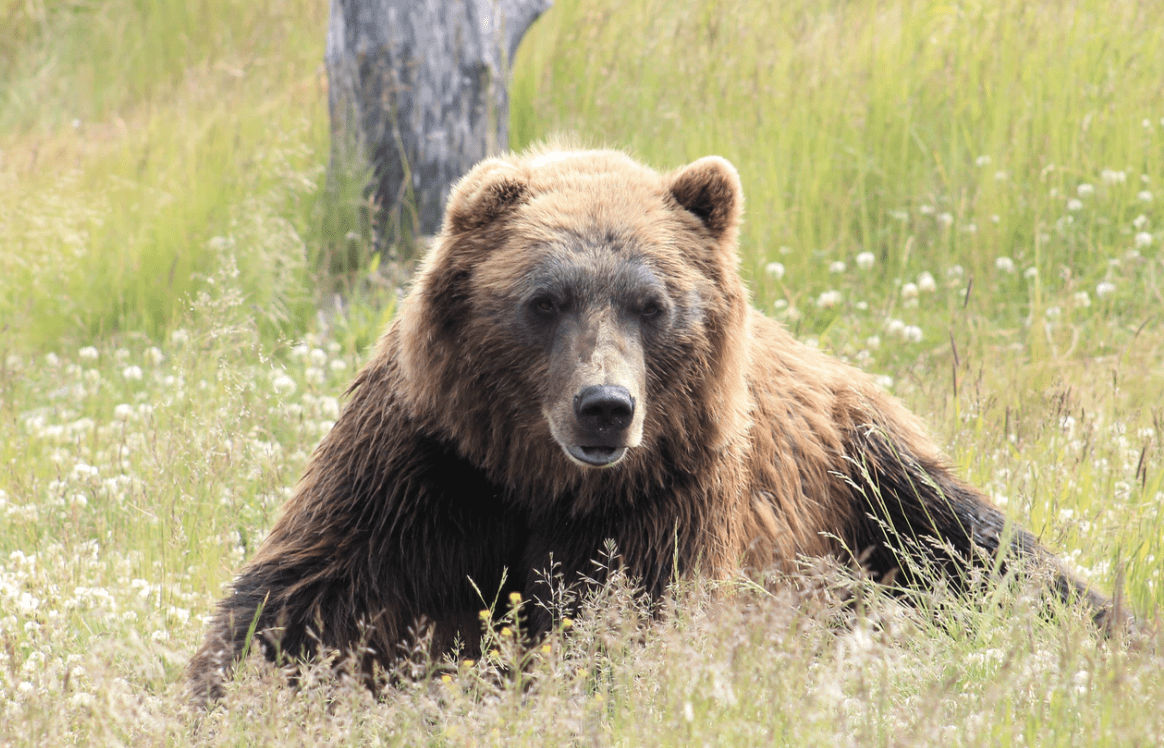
<point x="483" y="195"/>
<point x="710" y="189"/>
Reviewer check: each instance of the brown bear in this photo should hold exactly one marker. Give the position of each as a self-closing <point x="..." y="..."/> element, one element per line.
<point x="576" y="362"/>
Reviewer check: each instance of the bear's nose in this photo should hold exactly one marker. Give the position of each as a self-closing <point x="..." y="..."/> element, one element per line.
<point x="604" y="407"/>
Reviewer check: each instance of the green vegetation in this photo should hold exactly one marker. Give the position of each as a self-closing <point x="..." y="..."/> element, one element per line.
<point x="963" y="198"/>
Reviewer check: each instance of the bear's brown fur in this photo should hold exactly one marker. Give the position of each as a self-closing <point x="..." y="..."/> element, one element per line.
<point x="577" y="361"/>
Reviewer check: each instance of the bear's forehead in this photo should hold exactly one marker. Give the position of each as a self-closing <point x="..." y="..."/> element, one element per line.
<point x="593" y="218"/>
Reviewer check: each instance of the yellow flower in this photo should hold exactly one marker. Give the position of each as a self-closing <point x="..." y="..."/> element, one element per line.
<point x="506" y="631"/>
<point x="484" y="615"/>
<point x="547" y="648"/>
<point x="446" y="679"/>
<point x="467" y="663"/>
<point x="514" y="598"/>
<point x="567" y="623"/>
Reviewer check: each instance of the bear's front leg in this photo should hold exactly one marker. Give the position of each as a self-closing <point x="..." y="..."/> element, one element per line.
<point x="286" y="607"/>
<point x="909" y="502"/>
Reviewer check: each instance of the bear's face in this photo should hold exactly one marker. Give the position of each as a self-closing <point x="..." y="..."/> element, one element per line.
<point x="578" y="303"/>
<point x="593" y="315"/>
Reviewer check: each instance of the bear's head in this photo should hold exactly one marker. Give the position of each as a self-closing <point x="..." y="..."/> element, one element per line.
<point x="579" y="314"/>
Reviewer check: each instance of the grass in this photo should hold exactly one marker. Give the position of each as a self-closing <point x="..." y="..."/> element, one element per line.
<point x="962" y="198"/>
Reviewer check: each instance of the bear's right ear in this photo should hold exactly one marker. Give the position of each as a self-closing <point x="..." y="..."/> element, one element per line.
<point x="483" y="195"/>
<point x="710" y="189"/>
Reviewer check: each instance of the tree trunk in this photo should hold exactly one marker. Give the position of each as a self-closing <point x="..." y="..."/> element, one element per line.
<point x="418" y="93"/>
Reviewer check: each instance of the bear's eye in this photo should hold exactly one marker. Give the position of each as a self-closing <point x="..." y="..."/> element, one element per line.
<point x="651" y="308"/>
<point x="544" y="304"/>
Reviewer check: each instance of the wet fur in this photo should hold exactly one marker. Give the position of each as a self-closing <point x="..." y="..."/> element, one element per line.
<point x="441" y="472"/>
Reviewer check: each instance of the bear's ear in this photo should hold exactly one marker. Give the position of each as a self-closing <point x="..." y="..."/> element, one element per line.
<point x="710" y="189"/>
<point x="483" y="195"/>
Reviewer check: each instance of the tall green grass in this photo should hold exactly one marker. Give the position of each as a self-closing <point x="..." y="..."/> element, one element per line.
<point x="142" y="143"/>
<point x="840" y="114"/>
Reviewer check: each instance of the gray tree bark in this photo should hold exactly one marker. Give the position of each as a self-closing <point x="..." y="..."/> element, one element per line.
<point x="418" y="93"/>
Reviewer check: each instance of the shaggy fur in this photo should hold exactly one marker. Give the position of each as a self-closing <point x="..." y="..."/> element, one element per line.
<point x="455" y="462"/>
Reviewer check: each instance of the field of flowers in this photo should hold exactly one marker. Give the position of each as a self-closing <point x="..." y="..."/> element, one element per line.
<point x="964" y="199"/>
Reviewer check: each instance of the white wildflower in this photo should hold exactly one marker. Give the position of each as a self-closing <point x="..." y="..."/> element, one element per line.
<point x="873" y="342"/>
<point x="26" y="604"/>
<point x="218" y="243"/>
<point x="1053" y="312"/>
<point x="123" y="412"/>
<point x="995" y="218"/>
<point x="1140" y="222"/>
<point x="1111" y="176"/>
<point x="1105" y="289"/>
<point x="982" y="161"/>
<point x="1004" y="264"/>
<point x="81" y="700"/>
<point x="970" y="228"/>
<point x="1144" y="196"/>
<point x="926" y="283"/>
<point x="912" y="334"/>
<point x="1000" y="176"/>
<point x="865" y="260"/>
<point x="318" y="357"/>
<point x="1143" y="239"/>
<point x="52" y="360"/>
<point x="300" y="351"/>
<point x="836" y="267"/>
<point x="283" y="384"/>
<point x="828" y="299"/>
<point x="329" y="407"/>
<point x="909" y="291"/>
<point x="154" y="355"/>
<point x="1082" y="299"/>
<point x="688" y="711"/>
<point x="1031" y="273"/>
<point x="1085" y="190"/>
<point x="775" y="270"/>
<point x="926" y="210"/>
<point x="894" y="327"/>
<point x="945" y="219"/>
<point x="179" y="337"/>
<point x="955" y="272"/>
<point x="88" y="353"/>
<point x="338" y="364"/>
<point x="132" y="373"/>
<point x="314" y="375"/>
<point x="1074" y="204"/>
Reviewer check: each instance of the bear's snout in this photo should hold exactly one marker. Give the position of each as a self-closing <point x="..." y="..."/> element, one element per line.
<point x="604" y="410"/>
<point x="603" y="416"/>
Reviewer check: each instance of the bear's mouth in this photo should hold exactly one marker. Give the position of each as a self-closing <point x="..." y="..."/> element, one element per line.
<point x="596" y="456"/>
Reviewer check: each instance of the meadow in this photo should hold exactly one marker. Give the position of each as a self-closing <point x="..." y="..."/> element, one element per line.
<point x="961" y="197"/>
